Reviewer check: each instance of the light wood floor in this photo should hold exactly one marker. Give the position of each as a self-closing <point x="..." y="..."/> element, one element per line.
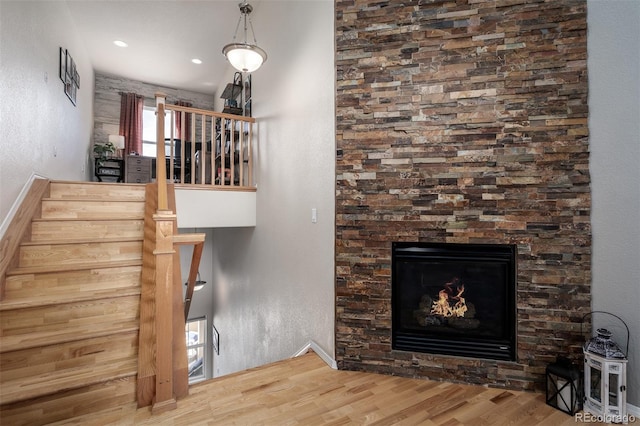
<point x="305" y="391"/>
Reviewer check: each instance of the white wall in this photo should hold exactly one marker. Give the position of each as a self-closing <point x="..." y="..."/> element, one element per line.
<point x="42" y="132"/>
<point x="614" y="123"/>
<point x="275" y="283"/>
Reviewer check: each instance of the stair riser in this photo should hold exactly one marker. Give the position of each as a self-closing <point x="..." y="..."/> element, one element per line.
<point x="75" y="230"/>
<point x="96" y="191"/>
<point x="64" y="405"/>
<point x="73" y="254"/>
<point x="90" y="210"/>
<point x="90" y="353"/>
<point x="92" y="314"/>
<point x="65" y="283"/>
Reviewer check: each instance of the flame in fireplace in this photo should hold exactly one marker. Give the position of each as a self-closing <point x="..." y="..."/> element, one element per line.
<point x="450" y="302"/>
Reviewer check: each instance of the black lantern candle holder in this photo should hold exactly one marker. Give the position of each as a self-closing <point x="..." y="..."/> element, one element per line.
<point x="564" y="386"/>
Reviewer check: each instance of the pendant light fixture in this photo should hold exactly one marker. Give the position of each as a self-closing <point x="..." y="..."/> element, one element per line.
<point x="244" y="57"/>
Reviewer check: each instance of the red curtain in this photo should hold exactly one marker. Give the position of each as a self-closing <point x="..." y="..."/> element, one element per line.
<point x="187" y="121"/>
<point x="131" y="122"/>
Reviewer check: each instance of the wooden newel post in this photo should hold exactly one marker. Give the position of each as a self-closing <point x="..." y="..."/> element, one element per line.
<point x="164" y="254"/>
<point x="164" y="251"/>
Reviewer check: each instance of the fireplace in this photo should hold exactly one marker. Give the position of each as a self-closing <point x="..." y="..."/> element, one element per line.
<point x="454" y="299"/>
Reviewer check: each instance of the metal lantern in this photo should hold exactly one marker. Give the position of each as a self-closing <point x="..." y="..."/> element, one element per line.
<point x="605" y="377"/>
<point x="564" y="386"/>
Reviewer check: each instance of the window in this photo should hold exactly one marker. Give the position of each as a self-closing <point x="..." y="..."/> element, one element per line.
<point x="195" y="333"/>
<point x="149" y="130"/>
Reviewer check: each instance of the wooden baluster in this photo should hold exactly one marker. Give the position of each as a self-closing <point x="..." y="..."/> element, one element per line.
<point x="182" y="144"/>
<point x="212" y="158"/>
<point x="203" y="149"/>
<point x="223" y="149"/>
<point x="250" y="155"/>
<point x="192" y="151"/>
<point x="232" y="154"/>
<point x="172" y="148"/>
<point x="241" y="154"/>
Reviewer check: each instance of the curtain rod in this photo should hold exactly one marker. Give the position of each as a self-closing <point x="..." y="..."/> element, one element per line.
<point x="126" y="93"/>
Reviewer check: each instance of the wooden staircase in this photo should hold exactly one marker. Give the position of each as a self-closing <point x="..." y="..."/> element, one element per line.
<point x="69" y="319"/>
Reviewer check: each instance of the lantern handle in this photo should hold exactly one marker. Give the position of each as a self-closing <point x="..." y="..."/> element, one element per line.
<point x="613" y="315"/>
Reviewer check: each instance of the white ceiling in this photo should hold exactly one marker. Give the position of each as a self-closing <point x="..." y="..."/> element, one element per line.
<point x="163" y="36"/>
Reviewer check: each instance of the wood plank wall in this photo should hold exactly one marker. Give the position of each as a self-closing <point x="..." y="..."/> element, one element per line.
<point x="106" y="114"/>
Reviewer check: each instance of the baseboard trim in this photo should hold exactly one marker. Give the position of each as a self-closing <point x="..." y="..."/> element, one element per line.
<point x="633" y="410"/>
<point x="319" y="351"/>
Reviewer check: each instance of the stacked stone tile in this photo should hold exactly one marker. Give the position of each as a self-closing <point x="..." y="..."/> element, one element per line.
<point x="463" y="121"/>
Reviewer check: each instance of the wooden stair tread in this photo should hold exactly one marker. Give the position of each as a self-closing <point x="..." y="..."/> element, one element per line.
<point x="73" y="267"/>
<point x="63" y="380"/>
<point x="81" y="296"/>
<point x="92" y="183"/>
<point x="95" y="200"/>
<point x="71" y="219"/>
<point x="69" y="334"/>
<point x="80" y="190"/>
<point x="102" y="229"/>
<point x="92" y="208"/>
<point x="66" y="253"/>
<point x="68" y="282"/>
<point x="81" y="241"/>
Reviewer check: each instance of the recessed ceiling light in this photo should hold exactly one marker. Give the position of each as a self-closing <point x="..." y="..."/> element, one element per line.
<point x="120" y="43"/>
<point x="196" y="61"/>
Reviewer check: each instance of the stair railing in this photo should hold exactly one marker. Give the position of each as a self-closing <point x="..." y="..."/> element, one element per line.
<point x="221" y="159"/>
<point x="162" y="353"/>
<point x="197" y="240"/>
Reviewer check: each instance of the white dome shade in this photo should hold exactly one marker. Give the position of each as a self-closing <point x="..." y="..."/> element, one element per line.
<point x="244" y="57"/>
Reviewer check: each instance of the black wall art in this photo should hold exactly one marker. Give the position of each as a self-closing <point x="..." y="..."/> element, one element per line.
<point x="69" y="75"/>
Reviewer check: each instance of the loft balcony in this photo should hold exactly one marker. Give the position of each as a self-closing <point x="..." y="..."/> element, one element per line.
<point x="212" y="168"/>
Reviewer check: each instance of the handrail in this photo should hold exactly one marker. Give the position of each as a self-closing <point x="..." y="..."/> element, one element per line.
<point x="198" y="244"/>
<point x="214" y="149"/>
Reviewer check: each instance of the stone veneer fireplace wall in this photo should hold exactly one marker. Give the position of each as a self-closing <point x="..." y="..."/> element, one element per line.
<point x="463" y="121"/>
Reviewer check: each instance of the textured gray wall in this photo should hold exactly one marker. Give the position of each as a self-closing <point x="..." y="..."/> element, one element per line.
<point x="614" y="125"/>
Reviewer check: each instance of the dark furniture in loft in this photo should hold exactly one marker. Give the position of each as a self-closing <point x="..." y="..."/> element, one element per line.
<point x="188" y="146"/>
<point x="109" y="169"/>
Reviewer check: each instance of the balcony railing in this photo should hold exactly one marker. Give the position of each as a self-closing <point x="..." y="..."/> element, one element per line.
<point x="206" y="147"/>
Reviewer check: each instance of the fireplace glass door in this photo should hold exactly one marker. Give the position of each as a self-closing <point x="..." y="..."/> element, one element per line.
<point x="454" y="299"/>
